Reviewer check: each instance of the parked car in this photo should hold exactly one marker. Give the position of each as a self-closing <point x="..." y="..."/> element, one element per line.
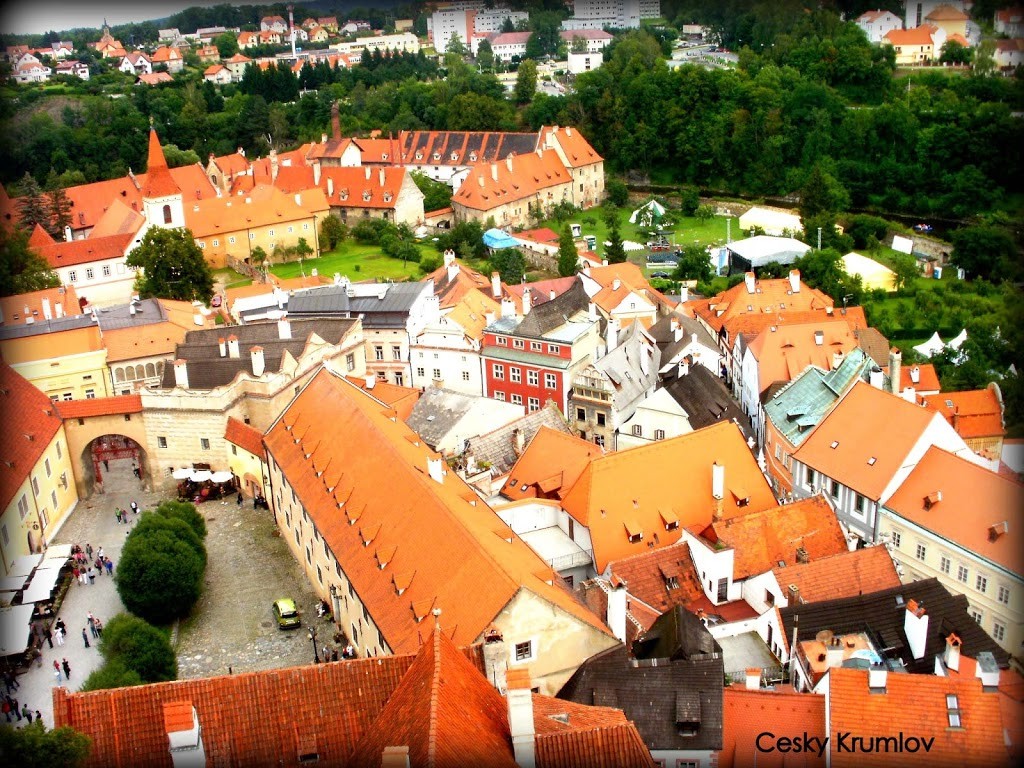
<point x="663" y="275"/>
<point x="285" y="614"/>
<point x="922" y="227"/>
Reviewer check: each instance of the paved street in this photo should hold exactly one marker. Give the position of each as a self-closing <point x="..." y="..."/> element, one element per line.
<point x="248" y="567"/>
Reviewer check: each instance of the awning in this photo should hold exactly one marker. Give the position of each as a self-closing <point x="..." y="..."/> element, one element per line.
<point x="14" y="629"/>
<point x="13" y="583"/>
<point x="22" y="566"/>
<point x="182" y="474"/>
<point x="200" y="475"/>
<point x="58" y="552"/>
<point x="222" y="476"/>
<point x="41" y="586"/>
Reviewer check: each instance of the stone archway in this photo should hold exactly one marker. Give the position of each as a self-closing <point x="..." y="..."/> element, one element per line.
<point x="109" y="456"/>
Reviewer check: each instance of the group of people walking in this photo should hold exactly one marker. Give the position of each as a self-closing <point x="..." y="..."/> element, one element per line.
<point x="14" y="710"/>
<point x="87" y="568"/>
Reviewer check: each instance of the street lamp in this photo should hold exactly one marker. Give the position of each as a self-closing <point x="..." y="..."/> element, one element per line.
<point x="312" y="638"/>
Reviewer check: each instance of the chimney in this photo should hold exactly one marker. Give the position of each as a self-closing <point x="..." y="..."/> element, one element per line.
<point x="616" y="616"/>
<point x="449" y="258"/>
<point x="616" y="284"/>
<point x="612" y="334"/>
<point x="395" y="757"/>
<point x="684" y="368"/>
<point x="495" y="660"/>
<point x="526" y="301"/>
<point x="915" y="375"/>
<point x="380" y="176"/>
<point x="298" y="198"/>
<point x="677" y="330"/>
<point x="316" y="177"/>
<point x="222" y="345"/>
<point x="876" y="678"/>
<point x="520" y="717"/>
<point x="368" y="171"/>
<point x="952" y="654"/>
<point x="181" y="374"/>
<point x="837" y="359"/>
<point x="915" y="627"/>
<point x="753" y="678"/>
<point x="793" y="594"/>
<point x="684" y="294"/>
<point x="489" y="318"/>
<point x="717" y="488"/>
<point x="748" y="278"/>
<point x="834" y="653"/>
<point x="592" y="312"/>
<point x="494" y="171"/>
<point x="552" y="294"/>
<point x="876" y="378"/>
<point x="794" y="280"/>
<point x="819" y="338"/>
<point x="801" y="555"/>
<point x="47" y="312"/>
<point x="68" y="237"/>
<point x="508" y="308"/>
<point x="987" y="670"/>
<point x="518" y="441"/>
<point x="370" y="380"/>
<point x="233" y="346"/>
<point x="895" y="361"/>
<point x="259" y="365"/>
<point x="435" y="468"/>
<point x="495" y="285"/>
<point x="284" y="328"/>
<point x="60" y="310"/>
<point x="184" y="736"/>
<point x="508" y="163"/>
<point x="131" y="309"/>
<point x="273" y="166"/>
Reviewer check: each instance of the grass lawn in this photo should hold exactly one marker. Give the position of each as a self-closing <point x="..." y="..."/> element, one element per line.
<point x="230" y="278"/>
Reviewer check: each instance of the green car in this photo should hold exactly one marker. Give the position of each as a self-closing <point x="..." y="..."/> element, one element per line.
<point x="286" y="615"/>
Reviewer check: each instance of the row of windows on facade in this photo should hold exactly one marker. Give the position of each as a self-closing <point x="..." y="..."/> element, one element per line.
<point x="90" y="273"/>
<point x="962" y="571"/>
<point x="252" y="236"/>
<point x="533" y="403"/>
<point x="535" y="346"/>
<point x="139" y="372"/>
<point x="204" y="442"/>
<point x="515" y="376"/>
<point x="436" y="373"/>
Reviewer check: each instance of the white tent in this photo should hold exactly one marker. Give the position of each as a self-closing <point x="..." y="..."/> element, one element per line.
<point x="41" y="586"/>
<point x="23" y="566"/>
<point x="14" y="629"/>
<point x="957" y="342"/>
<point x="933" y="346"/>
<point x="647" y="214"/>
<point x="59" y="552"/>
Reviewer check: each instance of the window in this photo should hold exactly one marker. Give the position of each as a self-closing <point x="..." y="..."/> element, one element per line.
<point x="291" y="229"/>
<point x="271" y="233"/>
<point x="46" y="465"/>
<point x="896" y="539"/>
<point x="811" y="476"/>
<point x="601" y="420"/>
<point x="167" y="214"/>
<point x="599" y="440"/>
<point x="945" y="564"/>
<point x="638" y="430"/>
<point x="502" y="341"/>
<point x="399" y="380"/>
<point x="517" y="344"/>
<point x="961" y="573"/>
<point x="834" y="490"/>
<point x="953" y="710"/>
<point x="524" y="651"/>
<point x="378" y="352"/>
<point x="161" y="441"/>
<point x="90" y="394"/>
<point x="23" y="506"/>
<point x="72" y="276"/>
<point x="581" y="414"/>
<point x="216" y="243"/>
<point x="976" y="615"/>
<point x="553" y="349"/>
<point x="921" y="552"/>
<point x="723" y="590"/>
<point x="437" y="373"/>
<point x="998" y="631"/>
<point x="421" y="372"/>
<point x="1004" y="595"/>
<point x="6" y="536"/>
<point x="533" y="404"/>
<point x="106" y="270"/>
<point x="499" y="396"/>
<point x="231" y="240"/>
<point x="396" y="353"/>
<point x="515" y="375"/>
<point x="659" y="434"/>
<point x="981" y="583"/>
<point x="35" y="486"/>
<point x="533" y="378"/>
<point x="536" y="346"/>
<point x="89" y="274"/>
<point x="204" y="443"/>
<point x="517" y="399"/>
<point x="499" y="372"/>
<point x="64" y="480"/>
<point x="465" y="375"/>
<point x="550" y="381"/>
<point x="350" y="362"/>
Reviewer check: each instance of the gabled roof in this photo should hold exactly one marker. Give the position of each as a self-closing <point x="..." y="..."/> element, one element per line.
<point x="747" y="714"/>
<point x="500" y="447"/>
<point x="946" y="12"/>
<point x="461" y="148"/>
<point x="244" y="436"/>
<point x="946" y="494"/>
<point x="874" y="432"/>
<point x="874" y="345"/>
<point x="522" y="177"/>
<point x="769" y="296"/>
<point x="630" y="278"/>
<point x="705" y="398"/>
<point x="845" y="574"/>
<point x="784" y="352"/>
<point x="925" y="373"/>
<point x="918" y="705"/>
<point x="648" y="575"/>
<point x="882" y="614"/>
<point x="762" y="540"/>
<point x="554" y="313"/>
<point x="975" y="413"/>
<point x="471" y="311"/>
<point x="549" y="466"/>
<point x="574" y="147"/>
<point x="99" y="406"/>
<point x="373" y="501"/>
<point x="30" y="423"/>
<point x="439" y="411"/>
<point x="265" y="205"/>
<point x="401" y="399"/>
<point x="70" y="253"/>
<point x="118" y="219"/>
<point x="916" y="36"/>
<point x="30" y="305"/>
<point x="631" y="368"/>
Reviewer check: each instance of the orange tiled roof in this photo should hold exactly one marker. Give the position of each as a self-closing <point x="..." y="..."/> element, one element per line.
<point x="943" y="494"/>
<point x="143" y="341"/>
<point x="916" y="36"/>
<point x="748" y="713"/>
<point x="238" y="58"/>
<point x="391" y="510"/>
<point x="268" y="206"/>
<point x="155" y="78"/>
<point x="244" y="436"/>
<point x="450" y="292"/>
<point x="118" y="219"/>
<point x="916" y="704"/>
<point x="631" y="279"/>
<point x="213" y="69"/>
<point x="927" y="377"/>
<point x="761" y="540"/>
<point x="402" y="399"/>
<point x="866" y="424"/>
<point x="550" y="465"/>
<point x="40" y="237"/>
<point x="576" y="148"/>
<point x="525" y="176"/>
<point x="751" y="325"/>
<point x="165" y="54"/>
<point x="26" y="305"/>
<point x="231" y="295"/>
<point x="770" y="296"/>
<point x="859" y="572"/>
<point x="100" y="406"/>
<point x="975" y="413"/>
<point x="68" y="254"/>
<point x="361" y="187"/>
<point x="784" y="353"/>
<point x="648" y="573"/>
<point x="30" y="423"/>
<point x="471" y="313"/>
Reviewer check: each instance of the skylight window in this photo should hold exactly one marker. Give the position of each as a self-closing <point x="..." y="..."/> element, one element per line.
<point x="871" y="461"/>
<point x="953" y="710"/>
<point x="835" y="444"/>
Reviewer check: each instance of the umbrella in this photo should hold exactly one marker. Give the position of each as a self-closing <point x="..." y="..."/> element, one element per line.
<point x="201" y="475"/>
<point x="181" y="474"/>
<point x="221" y="477"/>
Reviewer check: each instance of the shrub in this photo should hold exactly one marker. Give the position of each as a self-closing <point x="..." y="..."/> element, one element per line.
<point x="140" y="647"/>
<point x="429" y="262"/>
<point x="186" y="512"/>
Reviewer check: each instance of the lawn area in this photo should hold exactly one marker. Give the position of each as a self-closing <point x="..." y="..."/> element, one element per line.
<point x="357" y="261"/>
<point x="230" y="278"/>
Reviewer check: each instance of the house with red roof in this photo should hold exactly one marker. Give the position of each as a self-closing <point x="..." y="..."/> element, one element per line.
<point x="918" y="45"/>
<point x="170" y="57"/>
<point x="957" y="522"/>
<point x="237" y="65"/>
<point x="876" y="24"/>
<point x="755" y="718"/>
<point x="27" y="308"/>
<point x="154" y="78"/>
<point x="217" y="74"/>
<point x="395" y="537"/>
<point x="136" y="63"/>
<point x="1009" y="54"/>
<point x="976" y="415"/>
<point x="37" y="489"/>
<point x="1010" y="22"/>
<point x="273" y="23"/>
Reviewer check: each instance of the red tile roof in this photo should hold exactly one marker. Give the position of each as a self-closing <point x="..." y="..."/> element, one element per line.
<point x="26" y="305"/>
<point x="943" y="494"/>
<point x="917" y="36"/>
<point x="244" y="436"/>
<point x="517" y="178"/>
<point x="574" y="146"/>
<point x="846" y="574"/>
<point x="390" y="507"/>
<point x="550" y="465"/>
<point x="771" y="297"/>
<point x="648" y="574"/>
<point x="784" y="352"/>
<point x="68" y="254"/>
<point x="746" y="714"/>
<point x="402" y="399"/>
<point x="30" y="423"/>
<point x="916" y="705"/>
<point x="100" y="406"/>
<point x="976" y="413"/>
<point x="927" y="379"/>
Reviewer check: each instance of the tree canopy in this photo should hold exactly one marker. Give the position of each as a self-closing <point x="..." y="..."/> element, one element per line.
<point x="35" y="746"/>
<point x="568" y="256"/>
<point x="172" y="266"/>
<point x="22" y="269"/>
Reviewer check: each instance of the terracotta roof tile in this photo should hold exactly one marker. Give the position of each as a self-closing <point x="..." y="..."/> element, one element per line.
<point x="30" y="423"/>
<point x="143" y="341"/>
<point x="921" y="377"/>
<point x="617" y="746"/>
<point x="26" y="305"/>
<point x="554" y="459"/>
<point x="244" y="436"/>
<point x="976" y="413"/>
<point x="916" y="705"/>
<point x="749" y="713"/>
<point x="264" y="205"/>
<point x="841" y="575"/>
<point x="770" y="297"/>
<point x="68" y="254"/>
<point x="118" y="219"/>
<point x="943" y="493"/>
<point x="577" y="149"/>
<point x="648" y="575"/>
<point x="518" y="178"/>
<point x="783" y="352"/>
<point x="402" y="399"/>
<point x="917" y="36"/>
<point x="100" y="406"/>
<point x="159" y="182"/>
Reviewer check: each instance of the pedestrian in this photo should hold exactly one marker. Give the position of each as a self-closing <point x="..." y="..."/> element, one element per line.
<point x="106" y="465"/>
<point x="48" y="634"/>
<point x="88" y="551"/>
<point x="56" y="669"/>
<point x="92" y="574"/>
<point x="135" y="507"/>
<point x="6" y="708"/>
<point x="334" y="655"/>
<point x="92" y="625"/>
<point x="10" y="681"/>
<point x="37" y="653"/>
<point x="117" y="514"/>
<point x="26" y="712"/>
<point x="99" y="564"/>
<point x="85" y="637"/>
<point x="39" y="716"/>
<point x="15" y="708"/>
<point x="326" y="653"/>
<point x="74" y="572"/>
<point x="67" y="669"/>
<point x="99" y="627"/>
<point x="99" y="552"/>
<point x="136" y="471"/>
<point x="110" y="566"/>
<point x="61" y="626"/>
<point x="58" y="635"/>
<point x="239" y="498"/>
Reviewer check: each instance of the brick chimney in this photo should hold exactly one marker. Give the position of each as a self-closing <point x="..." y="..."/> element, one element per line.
<point x="259" y="365"/>
<point x="750" y="281"/>
<point x="495" y="660"/>
<point x="915" y="627"/>
<point x="233" y="346"/>
<point x="520" y="718"/>
<point x="952" y="654"/>
<point x="895" y="363"/>
<point x="181" y="374"/>
<point x="184" y="736"/>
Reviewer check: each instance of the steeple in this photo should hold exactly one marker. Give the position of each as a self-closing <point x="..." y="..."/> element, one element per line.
<point x="161" y="195"/>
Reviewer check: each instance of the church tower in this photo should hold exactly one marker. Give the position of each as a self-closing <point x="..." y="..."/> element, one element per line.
<point x="161" y="196"/>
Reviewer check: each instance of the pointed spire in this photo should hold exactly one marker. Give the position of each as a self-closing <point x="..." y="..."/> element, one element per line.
<point x="156" y="152"/>
<point x="159" y="182"/>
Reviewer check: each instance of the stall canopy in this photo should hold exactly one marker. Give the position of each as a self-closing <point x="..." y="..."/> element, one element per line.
<point x="221" y="477"/>
<point x="200" y="475"/>
<point x="22" y="566"/>
<point x="648" y="214"/>
<point x="12" y="583"/>
<point x="41" y="586"/>
<point x="57" y="552"/>
<point x="182" y="474"/>
<point x="497" y="239"/>
<point x="14" y="629"/>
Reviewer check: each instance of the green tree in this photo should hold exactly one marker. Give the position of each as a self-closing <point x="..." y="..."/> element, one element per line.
<point x="615" y="251"/>
<point x="485" y="56"/>
<point x="821" y="193"/>
<point x="35" y="746"/>
<point x="32" y="205"/>
<point x="112" y="673"/>
<point x="862" y="227"/>
<point x="984" y="58"/>
<point x="456" y="46"/>
<point x="258" y="258"/>
<point x="22" y="269"/>
<point x="704" y="213"/>
<point x="510" y="264"/>
<point x="824" y="270"/>
<point x="58" y="206"/>
<point x="332" y="232"/>
<point x="140" y="647"/>
<point x="507" y="25"/>
<point x="985" y="251"/>
<point x="568" y="256"/>
<point x="436" y="194"/>
<point x="227" y="45"/>
<point x="692" y="263"/>
<point x="430" y="262"/>
<point x="617" y="193"/>
<point x="186" y="512"/>
<point x="579" y="44"/>
<point x="173" y="266"/>
<point x="526" y="81"/>
<point x="955" y="53"/>
<point x="689" y="200"/>
<point x="178" y="157"/>
<point x="905" y="268"/>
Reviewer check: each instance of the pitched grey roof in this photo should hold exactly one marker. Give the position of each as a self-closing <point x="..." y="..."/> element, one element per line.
<point x="632" y="367"/>
<point x="705" y="398"/>
<point x="662" y="333"/>
<point x="552" y="314"/>
<point x="147" y="312"/>
<point x="388" y="307"/>
<point x="207" y="369"/>
<point x="684" y="688"/>
<point x="39" y="327"/>
<point x="437" y="412"/>
<point x="874" y="344"/>
<point x="499" y="447"/>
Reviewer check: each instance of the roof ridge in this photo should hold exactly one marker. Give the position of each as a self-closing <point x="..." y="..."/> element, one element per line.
<point x="435" y="690"/>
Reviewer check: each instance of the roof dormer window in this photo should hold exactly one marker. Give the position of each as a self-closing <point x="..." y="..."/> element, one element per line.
<point x="455" y="157"/>
<point x="383" y="155"/>
<point x="437" y="156"/>
<point x="419" y="155"/>
<point x="388" y="197"/>
<point x="367" y="196"/>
